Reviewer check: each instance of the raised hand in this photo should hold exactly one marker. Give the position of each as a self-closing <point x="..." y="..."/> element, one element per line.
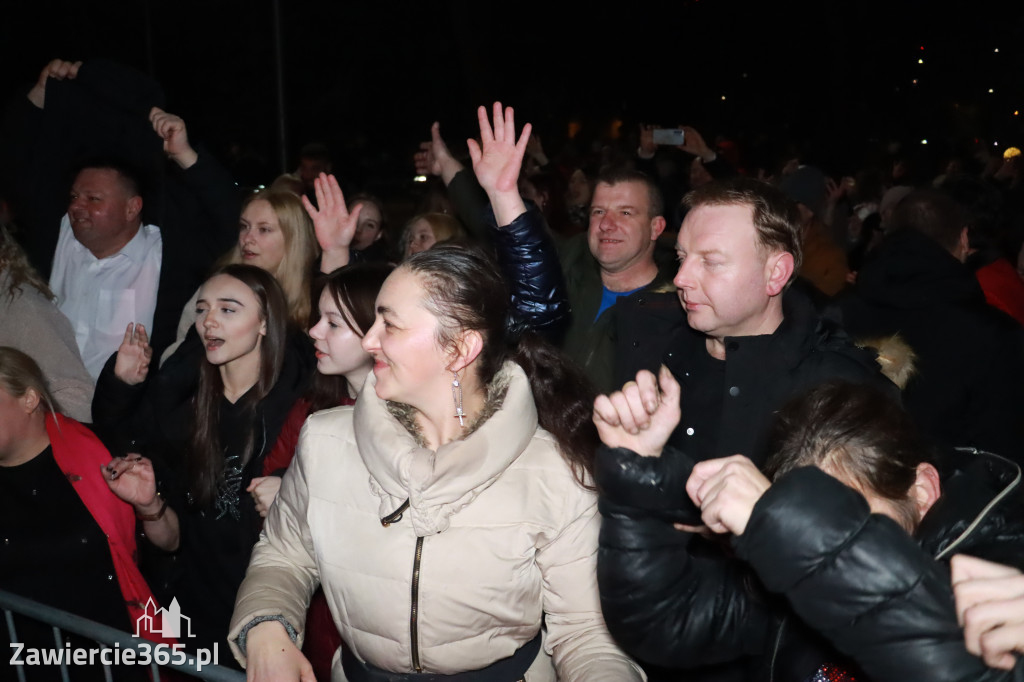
<point x="133" y="355"/>
<point x="434" y="158"/>
<point x="642" y="415"/>
<point x="172" y="131"/>
<point x="58" y="69"/>
<point x="990" y="608"/>
<point x="264" y="490"/>
<point x="497" y="159"/>
<point x="726" y="491"/>
<point x="131" y="478"/>
<point x="693" y="143"/>
<point x="335" y="226"/>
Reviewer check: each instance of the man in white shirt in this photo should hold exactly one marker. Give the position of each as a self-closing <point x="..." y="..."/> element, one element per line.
<point x="106" y="265"/>
<point x="106" y="269"/>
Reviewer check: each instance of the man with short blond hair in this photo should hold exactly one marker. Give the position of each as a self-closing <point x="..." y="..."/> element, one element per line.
<point x="751" y="340"/>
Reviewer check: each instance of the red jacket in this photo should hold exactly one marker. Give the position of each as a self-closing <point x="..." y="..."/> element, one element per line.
<point x="283" y="451"/>
<point x="1003" y="287"/>
<point x="81" y="456"/>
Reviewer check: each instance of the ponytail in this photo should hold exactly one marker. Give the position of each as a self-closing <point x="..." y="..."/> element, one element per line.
<point x="565" y="402"/>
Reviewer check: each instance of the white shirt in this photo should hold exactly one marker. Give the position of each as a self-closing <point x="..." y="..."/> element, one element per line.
<point x="101" y="296"/>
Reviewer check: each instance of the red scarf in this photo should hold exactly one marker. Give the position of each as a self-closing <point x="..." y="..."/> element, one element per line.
<point x="81" y="456"/>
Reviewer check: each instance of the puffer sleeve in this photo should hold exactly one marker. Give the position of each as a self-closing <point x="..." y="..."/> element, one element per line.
<point x="861" y="581"/>
<point x="282" y="574"/>
<point x="670" y="597"/>
<point x="578" y="640"/>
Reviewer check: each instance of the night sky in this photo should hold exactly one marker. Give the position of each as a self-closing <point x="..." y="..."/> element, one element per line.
<point x="369" y="77"/>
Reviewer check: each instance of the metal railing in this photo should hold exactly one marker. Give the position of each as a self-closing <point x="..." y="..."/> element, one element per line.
<point x="107" y="637"/>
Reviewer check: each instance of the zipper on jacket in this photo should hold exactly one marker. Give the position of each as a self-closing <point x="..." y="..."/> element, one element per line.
<point x="395" y="516"/>
<point x="413" y="634"/>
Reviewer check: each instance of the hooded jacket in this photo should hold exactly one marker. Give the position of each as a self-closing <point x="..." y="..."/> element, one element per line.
<point x="496" y="533"/>
<point x="816" y="578"/>
<point x="969" y="386"/>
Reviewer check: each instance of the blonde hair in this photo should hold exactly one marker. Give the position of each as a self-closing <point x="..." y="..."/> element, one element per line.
<point x="444" y="227"/>
<point x="19" y="373"/>
<point x="14" y="263"/>
<point x="294" y="272"/>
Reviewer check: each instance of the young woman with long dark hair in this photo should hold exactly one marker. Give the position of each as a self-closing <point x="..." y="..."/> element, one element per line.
<point x="208" y="423"/>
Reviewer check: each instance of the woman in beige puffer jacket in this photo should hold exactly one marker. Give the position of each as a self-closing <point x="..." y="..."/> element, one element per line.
<point x="442" y="542"/>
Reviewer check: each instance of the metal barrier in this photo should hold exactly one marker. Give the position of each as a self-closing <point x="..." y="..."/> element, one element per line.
<point x="106" y="637"/>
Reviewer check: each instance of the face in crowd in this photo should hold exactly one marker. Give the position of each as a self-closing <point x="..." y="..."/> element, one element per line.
<point x="726" y="279"/>
<point x="578" y="193"/>
<point x="337" y="342"/>
<point x="421" y="237"/>
<point x="104" y="211"/>
<point x="230" y="321"/>
<point x="260" y="239"/>
<point x="370" y="226"/>
<point x="409" y="364"/>
<point x="622" y="232"/>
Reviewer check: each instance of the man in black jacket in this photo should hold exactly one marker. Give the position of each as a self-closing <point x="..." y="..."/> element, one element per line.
<point x="751" y="340"/>
<point x="968" y="389"/>
<point x="861" y="598"/>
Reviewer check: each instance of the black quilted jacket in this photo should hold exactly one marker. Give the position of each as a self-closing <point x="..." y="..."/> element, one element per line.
<point x="816" y="578"/>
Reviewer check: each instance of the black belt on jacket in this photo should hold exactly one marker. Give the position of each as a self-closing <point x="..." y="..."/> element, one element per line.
<point x="509" y="669"/>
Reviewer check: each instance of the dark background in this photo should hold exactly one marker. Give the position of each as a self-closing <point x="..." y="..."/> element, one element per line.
<point x="369" y="77"/>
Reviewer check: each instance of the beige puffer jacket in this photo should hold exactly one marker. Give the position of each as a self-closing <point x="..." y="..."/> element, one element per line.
<point x="505" y="534"/>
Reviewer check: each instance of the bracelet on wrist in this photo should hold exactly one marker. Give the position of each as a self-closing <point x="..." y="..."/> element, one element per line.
<point x="153" y="517"/>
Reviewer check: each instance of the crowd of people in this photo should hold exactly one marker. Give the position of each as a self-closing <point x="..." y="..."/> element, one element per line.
<point x="578" y="419"/>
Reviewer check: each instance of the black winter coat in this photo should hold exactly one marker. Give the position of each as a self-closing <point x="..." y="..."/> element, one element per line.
<point x="156" y="417"/>
<point x="728" y="406"/>
<point x="969" y="386"/>
<point x="850" y="579"/>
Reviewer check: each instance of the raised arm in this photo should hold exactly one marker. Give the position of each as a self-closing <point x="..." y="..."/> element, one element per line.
<point x="466" y="195"/>
<point x="524" y="248"/>
<point x="58" y="69"/>
<point x="335" y="226"/>
<point x="434" y="158"/>
<point x="497" y="159"/>
<point x="133" y="355"/>
<point x="172" y="131"/>
<point x="663" y="602"/>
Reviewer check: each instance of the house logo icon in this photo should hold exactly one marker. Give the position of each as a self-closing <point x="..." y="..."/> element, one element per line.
<point x="170" y="620"/>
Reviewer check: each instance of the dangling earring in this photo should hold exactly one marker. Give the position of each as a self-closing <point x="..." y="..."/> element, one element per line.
<point x="457" y="398"/>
